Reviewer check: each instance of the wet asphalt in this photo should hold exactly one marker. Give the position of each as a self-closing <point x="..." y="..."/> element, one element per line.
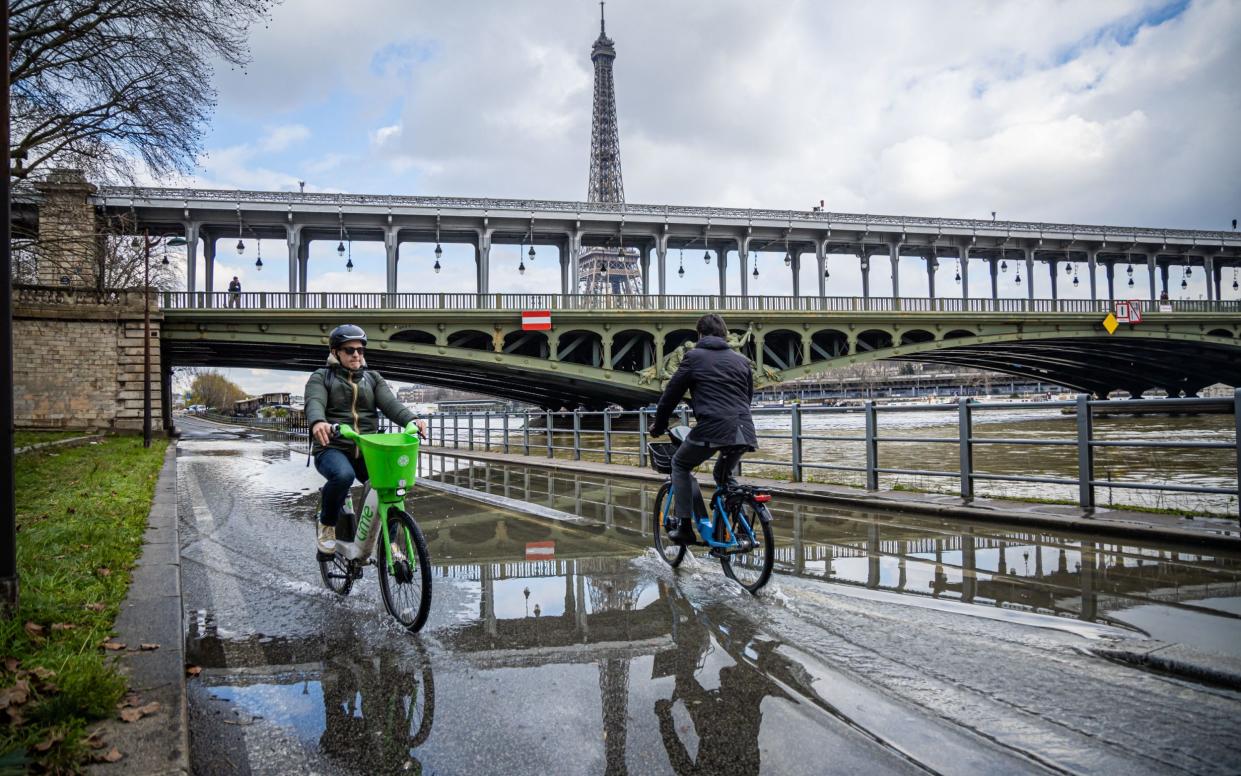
<point x="569" y="647"/>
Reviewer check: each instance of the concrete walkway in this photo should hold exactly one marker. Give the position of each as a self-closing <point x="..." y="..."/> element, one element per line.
<point x="151" y="614"/>
<point x="1114" y="522"/>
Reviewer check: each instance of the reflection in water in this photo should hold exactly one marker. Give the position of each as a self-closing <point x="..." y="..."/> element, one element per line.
<point x="1090" y="577"/>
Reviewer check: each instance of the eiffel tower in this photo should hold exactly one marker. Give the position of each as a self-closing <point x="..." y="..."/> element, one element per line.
<point x="606" y="269"/>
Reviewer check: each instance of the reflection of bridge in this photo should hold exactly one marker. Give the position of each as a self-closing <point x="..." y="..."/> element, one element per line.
<point x="612" y="349"/>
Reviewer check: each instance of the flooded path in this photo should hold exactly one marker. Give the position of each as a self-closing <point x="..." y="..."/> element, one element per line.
<point x="567" y="646"/>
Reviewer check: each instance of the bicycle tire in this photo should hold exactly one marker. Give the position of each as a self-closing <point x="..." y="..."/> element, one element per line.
<point x="412" y="583"/>
<point x="670" y="551"/>
<point x="752" y="575"/>
<point x="335" y="572"/>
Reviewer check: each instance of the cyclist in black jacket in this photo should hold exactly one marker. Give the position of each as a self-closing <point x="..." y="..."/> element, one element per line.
<point x="721" y="385"/>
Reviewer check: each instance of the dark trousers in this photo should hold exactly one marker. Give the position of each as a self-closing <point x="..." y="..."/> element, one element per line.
<point x="686" y="459"/>
<point x="340" y="469"/>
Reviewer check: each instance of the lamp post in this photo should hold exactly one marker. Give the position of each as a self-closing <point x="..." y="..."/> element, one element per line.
<point x="8" y="497"/>
<point x="146" y="338"/>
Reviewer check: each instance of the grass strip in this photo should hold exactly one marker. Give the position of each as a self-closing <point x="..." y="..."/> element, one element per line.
<point x="81" y="515"/>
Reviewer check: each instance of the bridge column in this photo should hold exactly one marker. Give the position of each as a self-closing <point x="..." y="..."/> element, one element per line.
<point x="566" y="263"/>
<point x="995" y="279"/>
<point x="1152" y="261"/>
<point x="932" y="263"/>
<point x="796" y="267"/>
<point x="721" y="263"/>
<point x="1029" y="258"/>
<point x="392" y="249"/>
<point x="661" y="263"/>
<point x="820" y="258"/>
<point x="1110" y="266"/>
<point x="1054" y="266"/>
<point x="864" y="263"/>
<point x="303" y="264"/>
<point x="191" y="255"/>
<point x="1092" y="261"/>
<point x="743" y="251"/>
<point x="894" y="255"/>
<point x="965" y="273"/>
<point x="482" y="261"/>
<point x="575" y="255"/>
<point x="209" y="241"/>
<point x="644" y="261"/>
<point x="292" y="238"/>
<point x="1163" y="276"/>
<point x="1208" y="269"/>
<point x="607" y="351"/>
<point x="1218" y="272"/>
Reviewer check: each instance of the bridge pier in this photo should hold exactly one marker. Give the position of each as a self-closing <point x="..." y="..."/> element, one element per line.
<point x="894" y="256"/>
<point x="292" y="238"/>
<point x="303" y="264"/>
<point x="1110" y="266"/>
<point x="995" y="277"/>
<point x="965" y="274"/>
<point x="1052" y="266"/>
<point x="1151" y="260"/>
<point x="743" y="254"/>
<point x="820" y="258"/>
<point x="1028" y="257"/>
<point x="865" y="265"/>
<point x="1208" y="269"/>
<point x="795" y="254"/>
<point x="482" y="261"/>
<point x="392" y="249"/>
<point x="932" y="263"/>
<point x="191" y="255"/>
<point x="721" y="262"/>
<point x="1092" y="261"/>
<point x="1163" y="276"/>
<point x="661" y="261"/>
<point x="209" y="246"/>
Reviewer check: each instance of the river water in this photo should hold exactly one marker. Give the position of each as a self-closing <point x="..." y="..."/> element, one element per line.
<point x="1185" y="466"/>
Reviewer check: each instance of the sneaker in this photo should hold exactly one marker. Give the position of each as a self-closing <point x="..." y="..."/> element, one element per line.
<point x="327" y="538"/>
<point x="681" y="531"/>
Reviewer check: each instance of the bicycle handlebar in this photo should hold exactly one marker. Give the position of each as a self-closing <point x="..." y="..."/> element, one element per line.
<point x="345" y="430"/>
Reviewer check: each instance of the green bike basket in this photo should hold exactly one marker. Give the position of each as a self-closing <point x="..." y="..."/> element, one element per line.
<point x="391" y="460"/>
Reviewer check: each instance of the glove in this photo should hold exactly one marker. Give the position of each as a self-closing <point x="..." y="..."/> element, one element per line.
<point x="655" y="430"/>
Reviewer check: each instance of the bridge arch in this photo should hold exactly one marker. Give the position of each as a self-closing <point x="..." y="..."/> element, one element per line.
<point x="580" y="346"/>
<point x="1222" y="333"/>
<point x="958" y="334"/>
<point x="415" y="336"/>
<point x="678" y="337"/>
<point x="873" y="339"/>
<point x="470" y="339"/>
<point x="827" y="344"/>
<point x="749" y="349"/>
<point x="915" y="337"/>
<point x="632" y="349"/>
<point x="526" y="343"/>
<point x="782" y="349"/>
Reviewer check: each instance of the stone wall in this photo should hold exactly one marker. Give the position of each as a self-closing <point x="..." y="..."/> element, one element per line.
<point x="67" y="230"/>
<point x="78" y="361"/>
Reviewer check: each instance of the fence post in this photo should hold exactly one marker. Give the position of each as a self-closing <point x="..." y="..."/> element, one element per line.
<point x="607" y="436"/>
<point x="795" y="423"/>
<point x="525" y="433"/>
<point x="577" y="433"/>
<point x="456" y="432"/>
<point x="872" y="445"/>
<point x="487" y="431"/>
<point x="965" y="434"/>
<point x="683" y="414"/>
<point x="471" y="430"/>
<point x="1085" y="453"/>
<point x="642" y="434"/>
<point x="1236" y="416"/>
<point x="550" y="454"/>
<point x="506" y="450"/>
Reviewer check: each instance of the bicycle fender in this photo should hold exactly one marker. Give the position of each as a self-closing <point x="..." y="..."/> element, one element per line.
<point x="764" y="514"/>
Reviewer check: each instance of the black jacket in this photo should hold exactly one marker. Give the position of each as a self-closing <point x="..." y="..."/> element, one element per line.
<point x="722" y="387"/>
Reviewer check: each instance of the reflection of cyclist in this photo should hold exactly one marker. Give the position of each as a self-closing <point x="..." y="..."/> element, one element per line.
<point x="344" y="391"/>
<point x="727" y="719"/>
<point x="722" y="386"/>
<point x="376" y="709"/>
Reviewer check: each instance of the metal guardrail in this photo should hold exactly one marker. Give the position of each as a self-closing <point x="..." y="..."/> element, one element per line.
<point x="329" y="300"/>
<point x="562" y="434"/>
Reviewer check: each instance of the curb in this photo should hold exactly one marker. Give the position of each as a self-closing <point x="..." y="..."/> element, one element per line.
<point x="151" y="613"/>
<point x="1123" y="524"/>
<point x="1177" y="660"/>
<point x="70" y="442"/>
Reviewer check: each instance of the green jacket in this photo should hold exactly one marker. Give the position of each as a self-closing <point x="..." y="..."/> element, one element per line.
<point x="336" y="395"/>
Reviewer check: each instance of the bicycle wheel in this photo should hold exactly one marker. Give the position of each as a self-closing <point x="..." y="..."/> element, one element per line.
<point x="335" y="572"/>
<point x="405" y="571"/>
<point x="670" y="551"/>
<point x="750" y="569"/>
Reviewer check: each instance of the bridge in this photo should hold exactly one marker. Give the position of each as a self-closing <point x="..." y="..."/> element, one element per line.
<point x="726" y="236"/>
<point x="616" y="349"/>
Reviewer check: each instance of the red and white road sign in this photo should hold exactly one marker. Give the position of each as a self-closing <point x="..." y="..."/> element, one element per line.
<point x="540" y="550"/>
<point x="536" y="320"/>
<point x="1129" y="312"/>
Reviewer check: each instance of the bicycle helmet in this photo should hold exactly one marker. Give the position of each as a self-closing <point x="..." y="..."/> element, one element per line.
<point x="345" y="333"/>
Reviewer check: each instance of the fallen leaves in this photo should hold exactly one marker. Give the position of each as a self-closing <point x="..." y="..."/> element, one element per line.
<point x="34" y="630"/>
<point x="96" y="607"/>
<point x="63" y="626"/>
<point x="148" y="647"/>
<point x="113" y="755"/>
<point x="130" y="711"/>
<point x="104" y="571"/>
<point x="112" y="645"/>
<point x="52" y="740"/>
<point x="193" y="670"/>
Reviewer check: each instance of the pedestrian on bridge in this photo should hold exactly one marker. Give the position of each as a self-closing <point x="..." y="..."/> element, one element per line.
<point x="234" y="293"/>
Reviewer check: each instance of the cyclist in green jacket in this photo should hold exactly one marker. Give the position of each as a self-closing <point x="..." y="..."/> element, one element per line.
<point x="345" y="391"/>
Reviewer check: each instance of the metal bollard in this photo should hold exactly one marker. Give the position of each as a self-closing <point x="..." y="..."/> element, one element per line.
<point x="965" y="433"/>
<point x="577" y="433"/>
<point x="1085" y="453"/>
<point x="607" y="436"/>
<point x="642" y="435"/>
<point x="795" y="425"/>
<point x="872" y="446"/>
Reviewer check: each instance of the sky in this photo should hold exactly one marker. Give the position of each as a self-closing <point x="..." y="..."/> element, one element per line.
<point x="1119" y="112"/>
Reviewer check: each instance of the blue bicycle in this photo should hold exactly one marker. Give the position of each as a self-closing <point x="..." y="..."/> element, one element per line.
<point x="737" y="529"/>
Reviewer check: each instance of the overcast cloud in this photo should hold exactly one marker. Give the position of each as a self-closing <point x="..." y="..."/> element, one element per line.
<point x="1108" y="111"/>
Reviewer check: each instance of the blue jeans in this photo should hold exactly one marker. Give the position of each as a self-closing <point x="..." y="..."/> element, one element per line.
<point x="339" y="469"/>
<point x="686" y="459"/>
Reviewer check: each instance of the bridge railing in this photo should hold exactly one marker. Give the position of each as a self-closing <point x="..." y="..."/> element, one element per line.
<point x="1056" y="457"/>
<point x="349" y="300"/>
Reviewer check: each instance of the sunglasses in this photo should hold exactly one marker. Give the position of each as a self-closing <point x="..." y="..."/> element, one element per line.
<point x="354" y="351"/>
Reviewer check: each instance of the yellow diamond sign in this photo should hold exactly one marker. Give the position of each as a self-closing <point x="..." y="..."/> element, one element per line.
<point x="1110" y="323"/>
